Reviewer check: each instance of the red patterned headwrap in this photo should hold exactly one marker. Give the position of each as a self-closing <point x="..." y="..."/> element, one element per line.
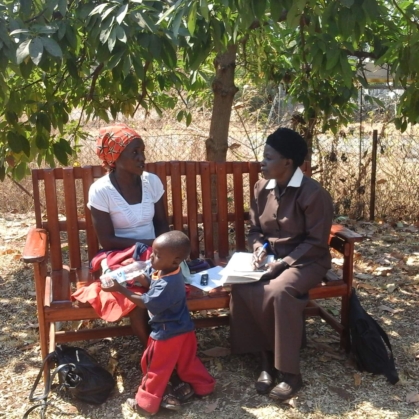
<point x="112" y="141"/>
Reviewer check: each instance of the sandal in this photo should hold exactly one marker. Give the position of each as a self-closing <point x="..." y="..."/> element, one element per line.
<point x="169" y="400"/>
<point x="183" y="391"/>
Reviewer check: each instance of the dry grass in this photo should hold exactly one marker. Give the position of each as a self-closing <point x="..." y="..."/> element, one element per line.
<point x="333" y="388"/>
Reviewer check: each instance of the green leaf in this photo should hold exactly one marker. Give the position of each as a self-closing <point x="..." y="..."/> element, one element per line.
<point x="19" y="171"/>
<point x="43" y="121"/>
<point x="203" y="5"/>
<point x="62" y="7"/>
<point x="98" y="9"/>
<point x="347" y="3"/>
<point x="155" y="46"/>
<point x="168" y="54"/>
<point x="121" y="13"/>
<point x="192" y="18"/>
<point x="276" y="10"/>
<point x="42" y="141"/>
<point x="120" y="34"/>
<point x="36" y="49"/>
<point x="177" y="22"/>
<point x="26" y="7"/>
<point x="259" y="7"/>
<point x="112" y="39"/>
<point x="51" y="46"/>
<point x="66" y="146"/>
<point x="145" y="22"/>
<point x="72" y="68"/>
<point x="11" y="117"/>
<point x="15" y="142"/>
<point x="188" y="119"/>
<point x="332" y="58"/>
<point x="179" y="116"/>
<point x="2" y="173"/>
<point x="22" y="51"/>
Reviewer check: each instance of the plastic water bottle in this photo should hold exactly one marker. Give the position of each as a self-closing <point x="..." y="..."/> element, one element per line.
<point x="124" y="273"/>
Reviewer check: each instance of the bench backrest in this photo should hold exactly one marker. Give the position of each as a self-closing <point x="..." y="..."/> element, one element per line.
<point x="210" y="201"/>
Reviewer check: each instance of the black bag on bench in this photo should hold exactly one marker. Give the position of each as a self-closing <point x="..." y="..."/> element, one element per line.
<point x="78" y="373"/>
<point x="370" y="344"/>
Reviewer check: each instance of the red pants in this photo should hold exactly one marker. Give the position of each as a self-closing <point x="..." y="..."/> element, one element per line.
<point x="158" y="362"/>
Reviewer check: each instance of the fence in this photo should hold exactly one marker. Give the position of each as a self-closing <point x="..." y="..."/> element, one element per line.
<point x="342" y="163"/>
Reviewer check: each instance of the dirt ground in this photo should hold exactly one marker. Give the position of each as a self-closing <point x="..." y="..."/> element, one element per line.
<point x="387" y="280"/>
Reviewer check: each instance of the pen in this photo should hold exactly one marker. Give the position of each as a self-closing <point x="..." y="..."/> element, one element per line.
<point x="261" y="250"/>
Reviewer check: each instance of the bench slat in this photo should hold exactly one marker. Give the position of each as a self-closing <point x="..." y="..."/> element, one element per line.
<point x="192" y="208"/>
<point x="91" y="239"/>
<point x="176" y="190"/>
<point x="206" y="210"/>
<point x="70" y="200"/>
<point x="52" y="214"/>
<point x="222" y="201"/>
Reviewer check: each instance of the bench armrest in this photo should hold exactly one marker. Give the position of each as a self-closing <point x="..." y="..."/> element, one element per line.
<point x="35" y="249"/>
<point x="345" y="233"/>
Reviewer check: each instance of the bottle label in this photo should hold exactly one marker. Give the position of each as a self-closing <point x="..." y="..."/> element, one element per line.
<point x="118" y="276"/>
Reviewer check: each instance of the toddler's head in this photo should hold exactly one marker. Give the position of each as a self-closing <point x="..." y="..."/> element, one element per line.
<point x="169" y="250"/>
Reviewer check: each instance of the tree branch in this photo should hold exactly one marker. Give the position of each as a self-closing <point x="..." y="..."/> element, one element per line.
<point x="143" y="87"/>
<point x="95" y="75"/>
<point x="404" y="14"/>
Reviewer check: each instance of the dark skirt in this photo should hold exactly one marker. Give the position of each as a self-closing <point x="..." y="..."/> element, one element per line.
<point x="269" y="315"/>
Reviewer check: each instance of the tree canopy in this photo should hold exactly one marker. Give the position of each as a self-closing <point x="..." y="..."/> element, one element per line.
<point x="65" y="62"/>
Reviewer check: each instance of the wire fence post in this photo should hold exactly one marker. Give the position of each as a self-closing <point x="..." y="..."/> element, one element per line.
<point x="373" y="173"/>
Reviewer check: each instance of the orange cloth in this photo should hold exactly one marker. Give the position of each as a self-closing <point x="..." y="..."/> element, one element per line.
<point x="112" y="141"/>
<point x="109" y="306"/>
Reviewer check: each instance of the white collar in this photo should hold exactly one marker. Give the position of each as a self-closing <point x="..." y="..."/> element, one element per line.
<point x="294" y="182"/>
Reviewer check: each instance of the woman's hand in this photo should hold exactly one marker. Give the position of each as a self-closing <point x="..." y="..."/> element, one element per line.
<point x="258" y="256"/>
<point x="274" y="270"/>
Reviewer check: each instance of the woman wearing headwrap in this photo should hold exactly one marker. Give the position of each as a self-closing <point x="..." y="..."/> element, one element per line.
<point x="126" y="207"/>
<point x="292" y="214"/>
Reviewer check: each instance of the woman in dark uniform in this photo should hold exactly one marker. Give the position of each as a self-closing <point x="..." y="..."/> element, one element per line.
<point x="293" y="214"/>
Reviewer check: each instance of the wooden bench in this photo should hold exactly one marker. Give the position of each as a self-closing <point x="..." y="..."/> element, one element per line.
<point x="209" y="201"/>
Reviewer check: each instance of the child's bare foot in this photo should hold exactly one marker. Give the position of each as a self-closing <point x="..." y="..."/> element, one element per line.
<point x="132" y="404"/>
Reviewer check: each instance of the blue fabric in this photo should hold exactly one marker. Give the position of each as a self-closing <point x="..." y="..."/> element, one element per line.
<point x="166" y="302"/>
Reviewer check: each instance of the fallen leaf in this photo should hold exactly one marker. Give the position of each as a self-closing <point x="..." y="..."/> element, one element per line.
<point x="357" y="379"/>
<point x="386" y="308"/>
<point x="292" y="402"/>
<point x="112" y="365"/>
<point x="364" y="276"/>
<point x="217" y="351"/>
<point x="412" y="397"/>
<point x="391" y="287"/>
<point x="344" y="394"/>
<point x="210" y="407"/>
<point x="366" y="286"/>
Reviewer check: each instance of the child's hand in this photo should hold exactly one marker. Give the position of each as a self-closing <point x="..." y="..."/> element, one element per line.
<point x="111" y="286"/>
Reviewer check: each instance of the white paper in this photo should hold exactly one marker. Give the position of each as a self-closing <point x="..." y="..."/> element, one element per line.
<point x="214" y="279"/>
<point x="240" y="267"/>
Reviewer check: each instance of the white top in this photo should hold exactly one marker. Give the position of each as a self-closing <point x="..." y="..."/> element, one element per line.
<point x="129" y="221"/>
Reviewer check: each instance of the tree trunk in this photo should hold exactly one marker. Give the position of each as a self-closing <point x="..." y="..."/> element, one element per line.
<point x="224" y="90"/>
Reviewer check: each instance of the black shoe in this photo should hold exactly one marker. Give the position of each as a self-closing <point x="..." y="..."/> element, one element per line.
<point x="265" y="382"/>
<point x="289" y="385"/>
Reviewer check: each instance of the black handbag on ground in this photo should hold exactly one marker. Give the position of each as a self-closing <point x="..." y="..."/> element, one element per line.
<point x="78" y="373"/>
<point x="370" y="344"/>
